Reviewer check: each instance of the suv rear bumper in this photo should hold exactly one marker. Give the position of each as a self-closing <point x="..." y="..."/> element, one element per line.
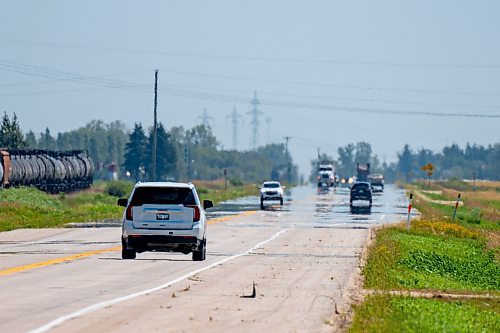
<point x="271" y="197"/>
<point x="162" y="243"/>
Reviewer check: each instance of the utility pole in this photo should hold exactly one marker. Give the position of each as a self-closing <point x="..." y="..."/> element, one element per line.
<point x="255" y="113"/>
<point x="288" y="163"/>
<point x="287" y="138"/>
<point x="155" y="128"/>
<point x="235" y="119"/>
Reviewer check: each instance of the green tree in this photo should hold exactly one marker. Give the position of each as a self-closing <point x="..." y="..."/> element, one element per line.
<point x="30" y="139"/>
<point x="165" y="155"/>
<point x="405" y="163"/>
<point x="347" y="164"/>
<point x="47" y="141"/>
<point x="11" y="136"/>
<point x="202" y="136"/>
<point x="363" y="152"/>
<point x="136" y="152"/>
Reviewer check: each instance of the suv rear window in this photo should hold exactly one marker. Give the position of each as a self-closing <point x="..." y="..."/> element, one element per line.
<point x="360" y="187"/>
<point x="163" y="196"/>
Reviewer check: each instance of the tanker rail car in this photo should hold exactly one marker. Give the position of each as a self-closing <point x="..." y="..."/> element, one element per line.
<point x="49" y="171"/>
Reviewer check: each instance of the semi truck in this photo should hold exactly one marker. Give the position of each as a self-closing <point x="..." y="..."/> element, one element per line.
<point x="326" y="175"/>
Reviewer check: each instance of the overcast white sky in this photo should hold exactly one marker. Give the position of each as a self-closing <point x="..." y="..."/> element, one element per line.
<point x="328" y="72"/>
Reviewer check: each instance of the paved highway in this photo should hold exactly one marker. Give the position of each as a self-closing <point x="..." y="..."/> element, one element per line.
<point x="301" y="256"/>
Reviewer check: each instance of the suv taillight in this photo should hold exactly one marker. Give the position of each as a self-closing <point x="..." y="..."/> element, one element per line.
<point x="128" y="214"/>
<point x="196" y="212"/>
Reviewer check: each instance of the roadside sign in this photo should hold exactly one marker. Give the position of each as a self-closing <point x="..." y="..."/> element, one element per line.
<point x="410" y="204"/>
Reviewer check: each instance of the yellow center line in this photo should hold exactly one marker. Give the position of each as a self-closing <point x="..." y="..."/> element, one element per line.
<point x="46" y="263"/>
<point x="230" y="217"/>
<point x="17" y="269"/>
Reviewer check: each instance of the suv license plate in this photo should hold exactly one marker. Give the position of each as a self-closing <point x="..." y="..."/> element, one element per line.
<point x="162" y="216"/>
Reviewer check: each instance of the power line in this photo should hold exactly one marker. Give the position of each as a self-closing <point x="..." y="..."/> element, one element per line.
<point x="321" y="84"/>
<point x="174" y="86"/>
<point x="49" y="73"/>
<point x="144" y="88"/>
<point x="63" y="80"/>
<point x="257" y="59"/>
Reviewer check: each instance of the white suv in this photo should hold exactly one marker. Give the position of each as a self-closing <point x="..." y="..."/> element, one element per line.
<point x="271" y="191"/>
<point x="166" y="217"/>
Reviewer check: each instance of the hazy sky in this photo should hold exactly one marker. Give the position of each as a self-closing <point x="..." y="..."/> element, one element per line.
<point x="327" y="72"/>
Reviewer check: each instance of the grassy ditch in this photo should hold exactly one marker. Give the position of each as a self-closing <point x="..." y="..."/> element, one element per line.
<point x="432" y="256"/>
<point x="383" y="313"/>
<point x="435" y="255"/>
<point x="31" y="208"/>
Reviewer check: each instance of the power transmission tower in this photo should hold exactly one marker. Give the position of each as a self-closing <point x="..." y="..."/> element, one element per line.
<point x="235" y="119"/>
<point x="206" y="119"/>
<point x="255" y="113"/>
<point x="155" y="129"/>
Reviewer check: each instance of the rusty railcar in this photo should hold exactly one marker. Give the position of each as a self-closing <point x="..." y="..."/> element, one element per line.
<point x="49" y="171"/>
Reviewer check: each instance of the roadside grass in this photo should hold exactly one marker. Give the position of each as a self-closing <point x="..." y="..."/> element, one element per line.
<point x="432" y="256"/>
<point x="437" y="255"/>
<point x="215" y="191"/>
<point x="30" y="208"/>
<point x="384" y="313"/>
<point x="481" y="209"/>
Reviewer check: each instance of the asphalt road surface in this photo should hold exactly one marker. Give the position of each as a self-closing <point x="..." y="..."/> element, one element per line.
<point x="301" y="257"/>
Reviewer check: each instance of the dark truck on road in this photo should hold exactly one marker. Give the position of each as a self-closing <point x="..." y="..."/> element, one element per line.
<point x="361" y="196"/>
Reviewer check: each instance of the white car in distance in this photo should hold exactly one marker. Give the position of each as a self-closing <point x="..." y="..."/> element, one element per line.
<point x="271" y="190"/>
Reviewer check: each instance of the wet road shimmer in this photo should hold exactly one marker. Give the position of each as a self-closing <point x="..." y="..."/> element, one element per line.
<point x="308" y="206"/>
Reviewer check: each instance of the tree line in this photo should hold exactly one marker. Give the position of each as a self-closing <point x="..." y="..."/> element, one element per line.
<point x="182" y="154"/>
<point x="472" y="161"/>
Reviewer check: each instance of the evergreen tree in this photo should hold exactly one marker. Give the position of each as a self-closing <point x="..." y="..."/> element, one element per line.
<point x="47" y="141"/>
<point x="30" y="140"/>
<point x="165" y="155"/>
<point x="136" y="152"/>
<point x="11" y="136"/>
<point x="405" y="163"/>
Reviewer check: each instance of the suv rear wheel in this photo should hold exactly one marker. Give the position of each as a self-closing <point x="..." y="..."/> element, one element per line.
<point x="201" y="253"/>
<point x="127" y="253"/>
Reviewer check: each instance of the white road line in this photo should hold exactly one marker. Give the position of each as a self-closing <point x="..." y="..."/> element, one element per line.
<point x="110" y="302"/>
